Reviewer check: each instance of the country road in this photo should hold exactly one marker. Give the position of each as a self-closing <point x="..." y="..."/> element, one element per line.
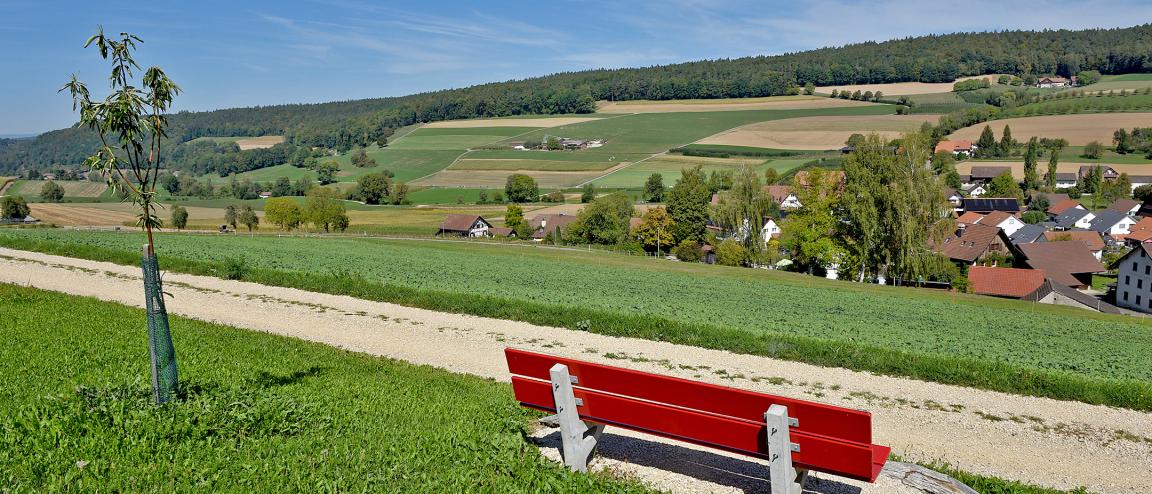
<point x="1036" y="440"/>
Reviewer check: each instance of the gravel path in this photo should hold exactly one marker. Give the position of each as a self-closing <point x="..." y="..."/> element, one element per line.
<point x="1042" y="441"/>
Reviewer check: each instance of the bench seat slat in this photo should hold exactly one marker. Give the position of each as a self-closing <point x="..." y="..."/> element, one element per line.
<point x="817" y="452"/>
<point x="815" y="418"/>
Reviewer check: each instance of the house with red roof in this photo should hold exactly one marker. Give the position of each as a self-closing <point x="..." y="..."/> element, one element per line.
<point x="956" y="147"/>
<point x="1004" y="282"/>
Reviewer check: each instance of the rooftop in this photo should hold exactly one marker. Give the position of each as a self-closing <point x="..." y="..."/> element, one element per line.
<point x="1004" y="282"/>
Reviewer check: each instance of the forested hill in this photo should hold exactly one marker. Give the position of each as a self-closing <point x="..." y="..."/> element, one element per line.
<point x="938" y="58"/>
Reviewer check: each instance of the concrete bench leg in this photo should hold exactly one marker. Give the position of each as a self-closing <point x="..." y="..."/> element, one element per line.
<point x="579" y="437"/>
<point x="784" y="478"/>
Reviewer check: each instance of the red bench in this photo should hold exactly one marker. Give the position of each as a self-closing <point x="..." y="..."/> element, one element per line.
<point x="794" y="435"/>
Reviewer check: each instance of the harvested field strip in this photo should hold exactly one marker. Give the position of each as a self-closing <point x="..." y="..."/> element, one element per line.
<point x="530" y="164"/>
<point x="507" y="122"/>
<point x="326" y="416"/>
<point x="259" y="142"/>
<point x="1077" y="129"/>
<point x="1058" y="352"/>
<point x="68" y="215"/>
<point x="727" y="104"/>
<point x="469" y="131"/>
<point x="816" y="133"/>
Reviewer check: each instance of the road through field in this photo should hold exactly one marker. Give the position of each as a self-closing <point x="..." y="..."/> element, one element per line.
<point x="1036" y="440"/>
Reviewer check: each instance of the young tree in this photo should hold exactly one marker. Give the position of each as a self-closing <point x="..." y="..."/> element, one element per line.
<point x="179" y="217"/>
<point x="400" y="193"/>
<point x="1031" y="178"/>
<point x="587" y="193"/>
<point x="52" y="192"/>
<point x="986" y="146"/>
<point x="14" y="208"/>
<point x="1093" y="150"/>
<point x="655" y="229"/>
<point x="654" y="188"/>
<point x="809" y="88"/>
<point x="771" y="176"/>
<point x="743" y="211"/>
<point x="514" y="219"/>
<point x="361" y="159"/>
<point x="1007" y="143"/>
<point x="282" y="187"/>
<point x="521" y="188"/>
<point x="249" y="219"/>
<point x="482" y="198"/>
<point x="809" y="231"/>
<point x="131" y="123"/>
<point x="324" y="210"/>
<point x="687" y="204"/>
<point x="1053" y="164"/>
<point x="1123" y="141"/>
<point x="231" y="215"/>
<point x="283" y="212"/>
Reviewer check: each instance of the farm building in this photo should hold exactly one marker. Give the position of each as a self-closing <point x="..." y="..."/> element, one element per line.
<point x="985" y="174"/>
<point x="970" y="218"/>
<point x="1055" y="81"/>
<point x="502" y="232"/>
<point x="1057" y="294"/>
<point x="1106" y="172"/>
<point x="1089" y="238"/>
<point x="1068" y="263"/>
<point x="1064" y="180"/>
<point x="465" y="225"/>
<point x="1004" y="282"/>
<point x="1134" y="279"/>
<point x="956" y="147"/>
<point x="971" y="243"/>
<point x="987" y="205"/>
<point x="544" y="225"/>
<point x="783" y="195"/>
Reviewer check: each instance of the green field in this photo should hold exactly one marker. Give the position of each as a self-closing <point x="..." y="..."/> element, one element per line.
<point x="1118" y="82"/>
<point x="272" y="173"/>
<point x="406" y="164"/>
<point x="530" y="164"/>
<point x="461" y="139"/>
<point x="73" y="190"/>
<point x="939" y="103"/>
<point x="669" y="167"/>
<point x="1084" y="104"/>
<point x="587" y="155"/>
<point x="1019" y="347"/>
<point x="469" y="131"/>
<point x="437" y="195"/>
<point x="258" y="413"/>
<point x="736" y="151"/>
<point x="1073" y="153"/>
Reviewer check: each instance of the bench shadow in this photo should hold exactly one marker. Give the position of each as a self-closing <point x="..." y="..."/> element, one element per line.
<point x="747" y="476"/>
<point x="266" y="379"/>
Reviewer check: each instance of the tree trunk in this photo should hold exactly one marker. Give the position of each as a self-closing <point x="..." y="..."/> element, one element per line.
<point x="163" y="356"/>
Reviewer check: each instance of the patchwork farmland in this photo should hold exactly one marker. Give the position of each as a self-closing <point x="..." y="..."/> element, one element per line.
<point x="1077" y="129"/>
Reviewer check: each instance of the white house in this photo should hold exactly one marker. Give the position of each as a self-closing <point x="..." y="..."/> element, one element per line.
<point x="1074" y="218"/>
<point x="974" y="190"/>
<point x="1134" y="279"/>
<point x="1007" y="222"/>
<point x="1112" y="223"/>
<point x="465" y="225"/>
<point x="784" y="196"/>
<point x="770" y="230"/>
<point x="1051" y="82"/>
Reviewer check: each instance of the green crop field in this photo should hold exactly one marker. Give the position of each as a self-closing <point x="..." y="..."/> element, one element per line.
<point x="73" y="190"/>
<point x="407" y="164"/>
<point x="471" y="131"/>
<point x="939" y="103"/>
<point x="1118" y="82"/>
<point x="257" y="413"/>
<point x="1073" y="153"/>
<point x="464" y="138"/>
<point x="984" y="342"/>
<point x="270" y="174"/>
<point x="442" y="195"/>
<point x="586" y="155"/>
<point x="1086" y="104"/>
<point x="531" y="164"/>
<point x="670" y="166"/>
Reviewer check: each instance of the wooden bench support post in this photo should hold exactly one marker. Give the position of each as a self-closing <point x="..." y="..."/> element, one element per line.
<point x="784" y="478"/>
<point x="578" y="437"/>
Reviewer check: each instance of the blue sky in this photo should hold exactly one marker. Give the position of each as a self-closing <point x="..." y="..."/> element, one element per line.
<point x="244" y="53"/>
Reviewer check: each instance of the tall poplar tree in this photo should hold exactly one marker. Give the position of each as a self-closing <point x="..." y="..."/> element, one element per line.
<point x="1031" y="179"/>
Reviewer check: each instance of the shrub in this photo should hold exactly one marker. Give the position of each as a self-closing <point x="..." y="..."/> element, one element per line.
<point x="233" y="268"/>
<point x="730" y="253"/>
<point x="687" y="251"/>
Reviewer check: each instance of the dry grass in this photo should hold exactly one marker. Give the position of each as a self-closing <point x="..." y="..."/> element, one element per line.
<point x="259" y="142"/>
<point x="81" y="188"/>
<point x="701" y="105"/>
<point x="70" y="215"/>
<point x="1079" y="129"/>
<point x="905" y="88"/>
<point x="965" y="167"/>
<point x="508" y="122"/>
<point x="814" y="133"/>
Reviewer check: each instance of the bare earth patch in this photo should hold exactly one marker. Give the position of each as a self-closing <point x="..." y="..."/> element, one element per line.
<point x="694" y="105"/>
<point x="816" y="133"/>
<point x="508" y="122"/>
<point x="1079" y="129"/>
<point x="258" y="142"/>
<point x="1037" y="440"/>
<point x="69" y="215"/>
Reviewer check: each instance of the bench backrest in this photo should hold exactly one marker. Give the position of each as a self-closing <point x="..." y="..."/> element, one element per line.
<point x="832" y="439"/>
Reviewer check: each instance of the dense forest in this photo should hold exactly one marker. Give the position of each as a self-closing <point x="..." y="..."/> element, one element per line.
<point x="344" y="125"/>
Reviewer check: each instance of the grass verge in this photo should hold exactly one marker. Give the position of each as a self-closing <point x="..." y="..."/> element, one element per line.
<point x="257" y="413"/>
<point x="988" y="374"/>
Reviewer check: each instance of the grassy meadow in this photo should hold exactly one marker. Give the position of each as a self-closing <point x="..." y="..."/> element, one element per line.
<point x="1012" y="346"/>
<point x="74" y="190"/>
<point x="257" y="413"/>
